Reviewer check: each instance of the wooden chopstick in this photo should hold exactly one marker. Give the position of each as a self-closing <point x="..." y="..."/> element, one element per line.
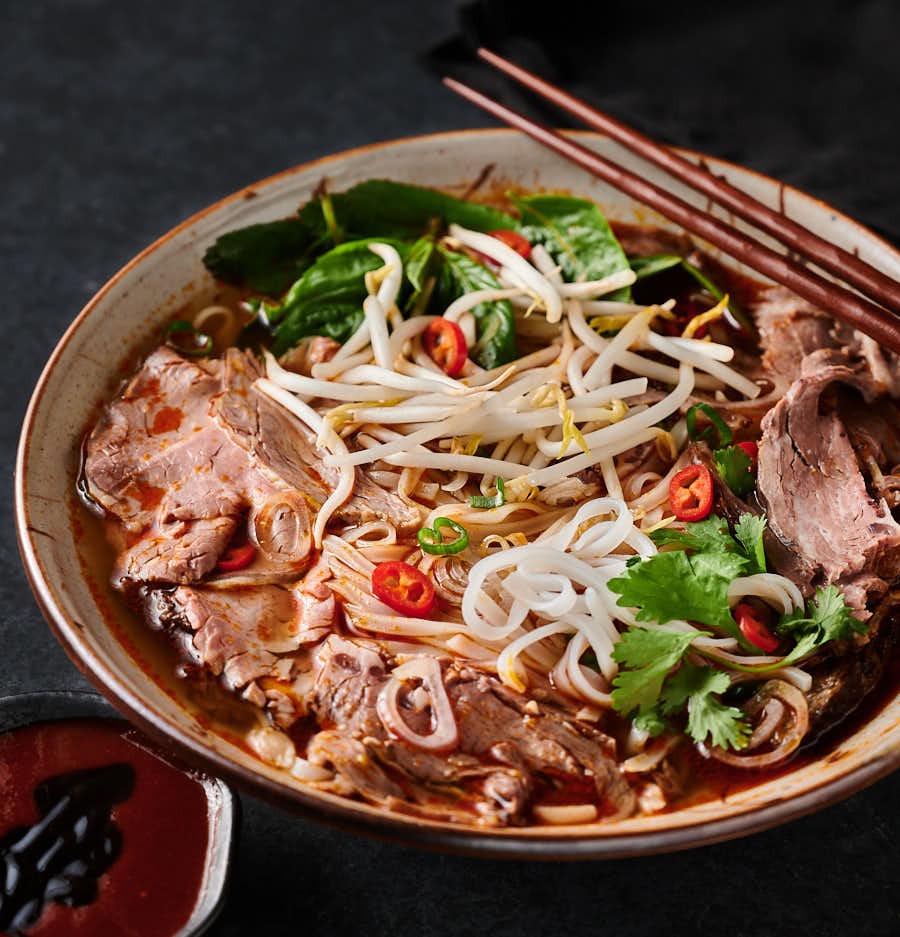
<point x="838" y="301"/>
<point x="829" y="256"/>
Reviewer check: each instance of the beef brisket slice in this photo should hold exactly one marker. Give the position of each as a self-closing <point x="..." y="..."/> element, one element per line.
<point x="502" y="745"/>
<point x="815" y="495"/>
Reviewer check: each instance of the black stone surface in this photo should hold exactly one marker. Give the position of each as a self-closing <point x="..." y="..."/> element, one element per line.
<point x="120" y="118"/>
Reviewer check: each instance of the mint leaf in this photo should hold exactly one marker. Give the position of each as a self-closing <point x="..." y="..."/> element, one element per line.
<point x="698" y="687"/>
<point x="734" y="465"/>
<point x="650" y="654"/>
<point x="677" y="586"/>
<point x="749" y="530"/>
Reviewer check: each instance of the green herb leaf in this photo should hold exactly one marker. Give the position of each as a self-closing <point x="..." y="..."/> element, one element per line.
<point x="718" y="425"/>
<point x="655" y="263"/>
<point x="710" y="534"/>
<point x="267" y="258"/>
<point x="495" y="325"/>
<point x="327" y="299"/>
<point x="381" y="208"/>
<point x="827" y="618"/>
<point x="735" y="467"/>
<point x="749" y="530"/>
<point x="651" y="722"/>
<point x="697" y="687"/>
<point x="678" y="586"/>
<point x="650" y="655"/>
<point x="575" y="234"/>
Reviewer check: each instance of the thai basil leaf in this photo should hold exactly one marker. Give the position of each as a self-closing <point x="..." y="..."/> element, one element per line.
<point x="268" y="258"/>
<point x="328" y="298"/>
<point x="495" y="325"/>
<point x="575" y="234"/>
<point x="380" y="208"/>
<point x="656" y="263"/>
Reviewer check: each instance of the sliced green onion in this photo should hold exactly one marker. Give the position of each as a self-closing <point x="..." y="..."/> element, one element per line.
<point x="718" y="425"/>
<point x="194" y="344"/>
<point x="432" y="541"/>
<point x="490" y="501"/>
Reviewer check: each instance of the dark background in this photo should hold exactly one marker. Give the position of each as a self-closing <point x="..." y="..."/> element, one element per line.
<point x="120" y="119"/>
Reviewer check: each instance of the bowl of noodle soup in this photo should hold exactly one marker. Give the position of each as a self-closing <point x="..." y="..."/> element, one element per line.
<point x="68" y="562"/>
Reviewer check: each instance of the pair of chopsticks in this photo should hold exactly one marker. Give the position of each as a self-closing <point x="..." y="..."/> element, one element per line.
<point x="858" y="309"/>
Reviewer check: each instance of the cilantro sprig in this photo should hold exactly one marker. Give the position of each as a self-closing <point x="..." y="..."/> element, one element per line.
<point x="693" y="586"/>
<point x="652" y="688"/>
<point x="735" y="467"/>
<point x="690" y="582"/>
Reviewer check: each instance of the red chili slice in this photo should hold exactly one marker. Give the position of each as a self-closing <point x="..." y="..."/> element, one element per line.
<point x="446" y="346"/>
<point x="691" y="493"/>
<point x="754" y="629"/>
<point x="406" y="589"/>
<point x="752" y="450"/>
<point x="237" y="558"/>
<point x="513" y="239"/>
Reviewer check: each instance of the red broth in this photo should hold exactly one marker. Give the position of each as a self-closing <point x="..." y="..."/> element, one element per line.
<point x="152" y="886"/>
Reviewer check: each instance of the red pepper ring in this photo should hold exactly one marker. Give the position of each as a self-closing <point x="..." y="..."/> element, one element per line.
<point x="513" y="239"/>
<point x="236" y="558"/>
<point x="754" y="629"/>
<point x="446" y="345"/>
<point x="406" y="589"/>
<point x="691" y="493"/>
<point x="752" y="451"/>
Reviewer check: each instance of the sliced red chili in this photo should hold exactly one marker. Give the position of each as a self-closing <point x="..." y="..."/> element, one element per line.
<point x="691" y="493"/>
<point x="754" y="629"/>
<point x="237" y="558"/>
<point x="752" y="451"/>
<point x="446" y="345"/>
<point x="513" y="239"/>
<point x="406" y="589"/>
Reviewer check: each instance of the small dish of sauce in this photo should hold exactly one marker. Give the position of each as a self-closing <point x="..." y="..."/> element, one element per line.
<point x="100" y="833"/>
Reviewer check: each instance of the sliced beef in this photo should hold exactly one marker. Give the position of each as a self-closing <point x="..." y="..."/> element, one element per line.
<point x="791" y="328"/>
<point x="158" y="462"/>
<point x="502" y="744"/>
<point x="814" y="493"/>
<point x="282" y="445"/>
<point x="852" y="669"/>
<point x="183" y="551"/>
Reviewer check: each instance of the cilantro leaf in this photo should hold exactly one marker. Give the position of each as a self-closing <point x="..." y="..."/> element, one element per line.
<point x="828" y="618"/>
<point x="734" y="466"/>
<point x="677" y="586"/>
<point x="651" y="722"/>
<point x="710" y="534"/>
<point x="707" y="716"/>
<point x="749" y="530"/>
<point x="650" y="654"/>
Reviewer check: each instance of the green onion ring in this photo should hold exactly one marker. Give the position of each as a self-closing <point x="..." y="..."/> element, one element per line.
<point x="203" y="344"/>
<point x="431" y="540"/>
<point x="718" y="425"/>
<point x="490" y="501"/>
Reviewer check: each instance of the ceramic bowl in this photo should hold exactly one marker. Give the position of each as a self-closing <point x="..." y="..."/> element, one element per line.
<point x="105" y="337"/>
<point x="223" y="806"/>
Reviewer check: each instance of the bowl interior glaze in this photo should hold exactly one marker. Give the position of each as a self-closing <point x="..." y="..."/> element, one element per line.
<point x="88" y="362"/>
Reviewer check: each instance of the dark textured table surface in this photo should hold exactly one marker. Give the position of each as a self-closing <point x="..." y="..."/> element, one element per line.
<point x="120" y="119"/>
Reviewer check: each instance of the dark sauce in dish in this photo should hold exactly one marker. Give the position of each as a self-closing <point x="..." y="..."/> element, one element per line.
<point x="98" y="835"/>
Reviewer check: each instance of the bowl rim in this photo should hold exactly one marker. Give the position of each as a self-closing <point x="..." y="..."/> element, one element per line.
<point x="347" y="815"/>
